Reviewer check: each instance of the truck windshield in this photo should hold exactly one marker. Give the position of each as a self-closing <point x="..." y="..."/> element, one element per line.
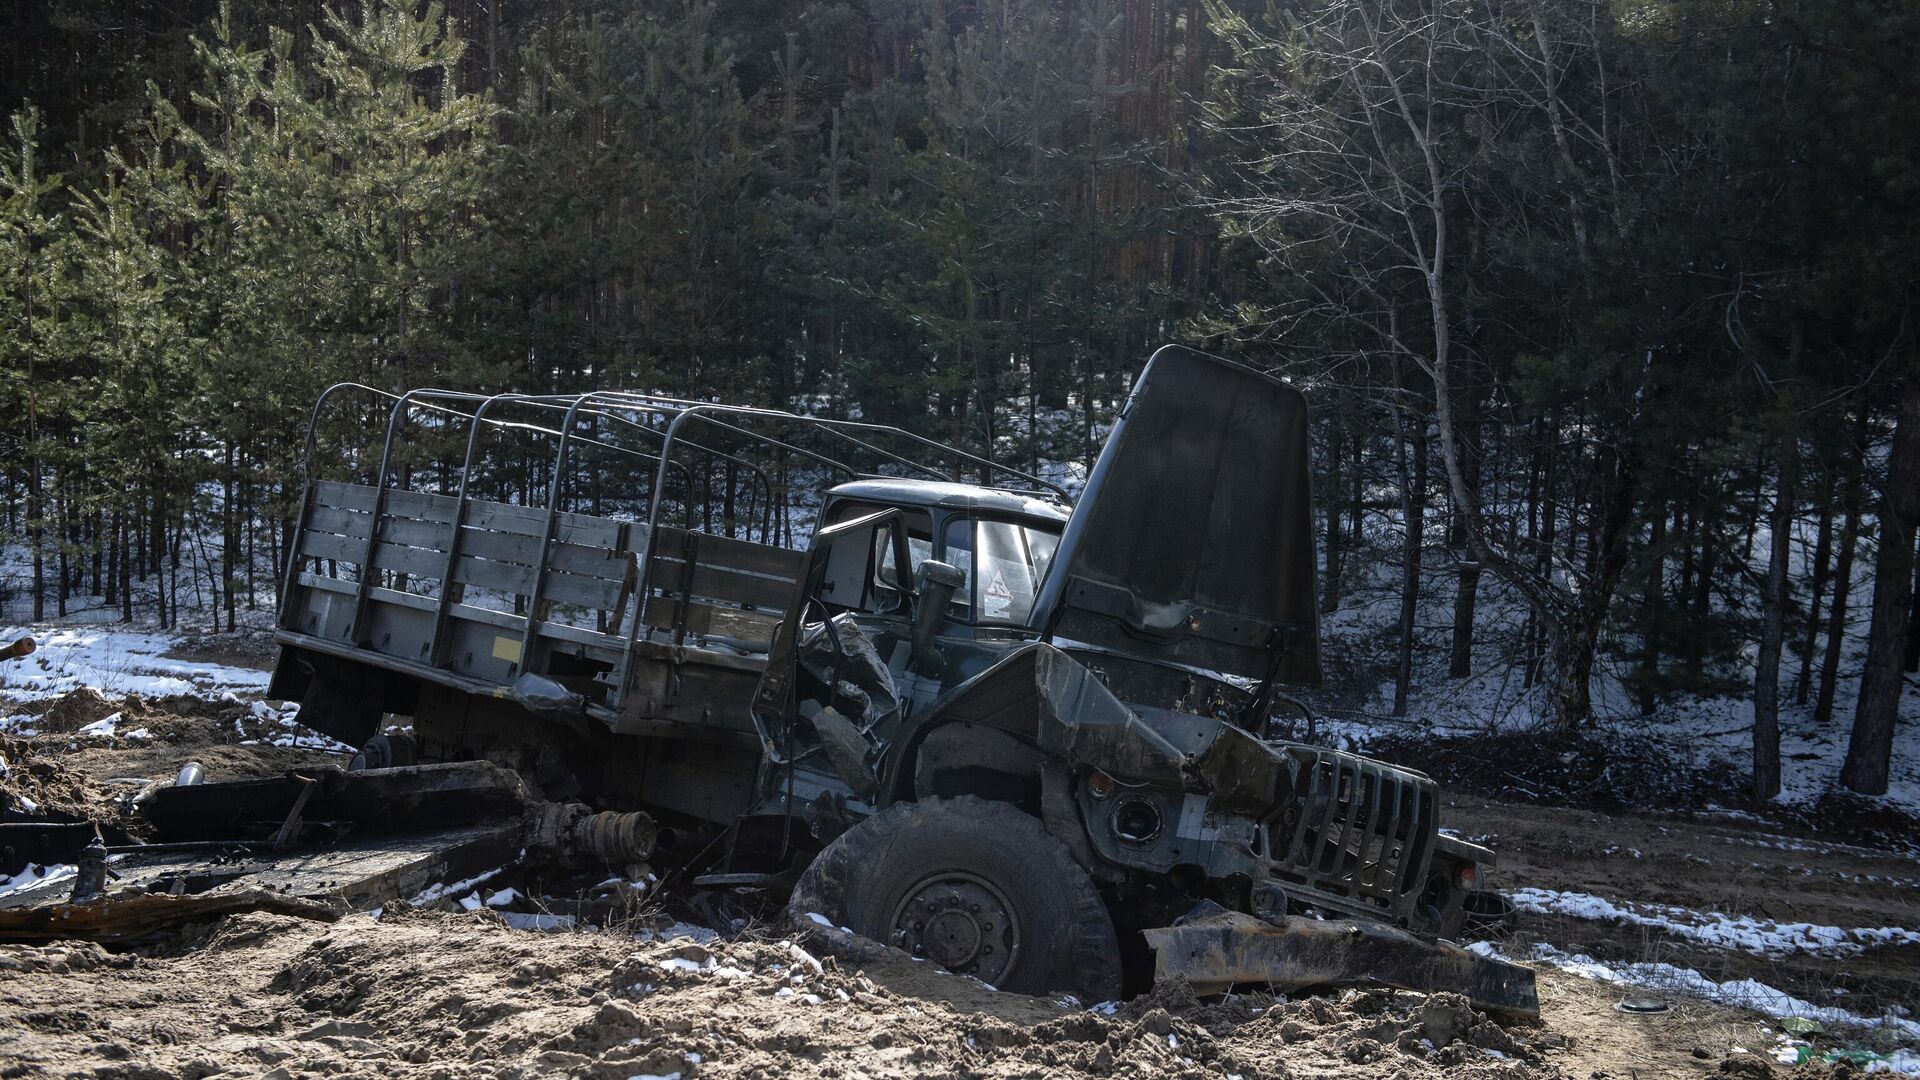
<point x="1004" y="562"/>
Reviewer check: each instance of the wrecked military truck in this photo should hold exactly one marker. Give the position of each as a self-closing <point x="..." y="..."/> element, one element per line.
<point x="1033" y="740"/>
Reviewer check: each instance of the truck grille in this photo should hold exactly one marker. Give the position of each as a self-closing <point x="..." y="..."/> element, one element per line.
<point x="1355" y="829"/>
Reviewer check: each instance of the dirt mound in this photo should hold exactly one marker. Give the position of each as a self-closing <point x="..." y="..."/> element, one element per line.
<point x="58" y="773"/>
<point x="40" y="785"/>
<point x="1864" y="820"/>
<point x="74" y="710"/>
<point x="435" y="994"/>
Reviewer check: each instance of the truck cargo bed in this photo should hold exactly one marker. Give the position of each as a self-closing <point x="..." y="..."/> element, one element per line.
<point x="655" y="631"/>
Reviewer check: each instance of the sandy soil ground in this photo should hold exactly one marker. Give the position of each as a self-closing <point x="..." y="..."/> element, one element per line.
<point x="433" y="993"/>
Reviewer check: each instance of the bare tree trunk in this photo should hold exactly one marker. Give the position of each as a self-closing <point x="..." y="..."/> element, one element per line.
<point x="1850" y="500"/>
<point x="96" y="549"/>
<point x="1911" y="662"/>
<point x="1701" y="603"/>
<point x="1653" y="597"/>
<point x="1822" y="556"/>
<point x="1614" y="482"/>
<point x="110" y="540"/>
<point x="229" y="538"/>
<point x="126" y="564"/>
<point x="1870" y="750"/>
<point x="1331" y="600"/>
<point x="60" y="531"/>
<point x="1357" y="505"/>
<point x="1413" y="485"/>
<point x="1766" y="669"/>
<point x="1460" y="663"/>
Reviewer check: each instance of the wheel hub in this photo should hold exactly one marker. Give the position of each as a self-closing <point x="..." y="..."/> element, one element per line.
<point x="961" y="922"/>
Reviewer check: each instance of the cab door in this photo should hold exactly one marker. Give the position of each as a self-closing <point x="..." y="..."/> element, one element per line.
<point x="858" y="566"/>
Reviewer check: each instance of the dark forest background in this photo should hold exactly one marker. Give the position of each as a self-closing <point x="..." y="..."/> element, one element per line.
<point x="1606" y="307"/>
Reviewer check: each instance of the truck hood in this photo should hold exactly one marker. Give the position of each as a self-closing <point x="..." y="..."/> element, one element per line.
<point x="1193" y="541"/>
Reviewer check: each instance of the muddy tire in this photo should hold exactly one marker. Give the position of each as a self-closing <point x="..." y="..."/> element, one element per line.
<point x="974" y="885"/>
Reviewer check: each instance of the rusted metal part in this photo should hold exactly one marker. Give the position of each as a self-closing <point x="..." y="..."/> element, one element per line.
<point x="412" y="797"/>
<point x="130" y="917"/>
<point x="90" y="877"/>
<point x="45" y="842"/>
<point x="290" y="828"/>
<point x="1216" y="952"/>
<point x="574" y="833"/>
<point x="21" y="647"/>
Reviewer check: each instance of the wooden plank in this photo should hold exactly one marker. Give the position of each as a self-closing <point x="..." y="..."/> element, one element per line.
<point x="720" y="583"/>
<point x="709" y="621"/>
<point x="329" y="584"/>
<point x="609" y="564"/>
<point x="319" y="545"/>
<point x="583" y="529"/>
<point x="420" y="505"/>
<point x="590" y="561"/>
<point x="600" y="592"/>
<point x="506" y="517"/>
<point x="378" y="595"/>
<point x="328" y="519"/>
<point x="500" y="546"/>
<point x="499" y="576"/>
<point x="589" y="531"/>
<point x="421" y="534"/>
<point x="343" y="496"/>
<point x="414" y="562"/>
<point x="597" y="593"/>
<point x="732" y="554"/>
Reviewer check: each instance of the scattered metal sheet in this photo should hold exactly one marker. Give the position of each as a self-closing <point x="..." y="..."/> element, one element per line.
<point x="368" y="872"/>
<point x="1216" y="952"/>
<point x="126" y="917"/>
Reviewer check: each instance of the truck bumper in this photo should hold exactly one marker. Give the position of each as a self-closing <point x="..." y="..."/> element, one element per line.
<point x="1214" y="952"/>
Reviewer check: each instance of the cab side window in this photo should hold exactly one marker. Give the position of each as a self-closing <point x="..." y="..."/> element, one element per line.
<point x="861" y="572"/>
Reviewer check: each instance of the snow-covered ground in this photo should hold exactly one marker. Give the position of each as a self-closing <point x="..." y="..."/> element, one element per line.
<point x="115" y="662"/>
<point x="1747" y="933"/>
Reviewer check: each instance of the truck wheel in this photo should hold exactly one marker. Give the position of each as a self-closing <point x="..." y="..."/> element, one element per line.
<point x="975" y="886"/>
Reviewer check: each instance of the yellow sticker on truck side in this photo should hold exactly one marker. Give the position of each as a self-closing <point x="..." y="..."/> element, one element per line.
<point x="506" y="648"/>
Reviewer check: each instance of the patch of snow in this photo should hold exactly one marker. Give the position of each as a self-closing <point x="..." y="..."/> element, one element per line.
<point x="103" y="726"/>
<point x="1740" y="993"/>
<point x="536" y="920"/>
<point x="1741" y="932"/>
<point x="1902" y="1062"/>
<point x="117" y="662"/>
<point x="699" y="935"/>
<point x="36" y="874"/>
